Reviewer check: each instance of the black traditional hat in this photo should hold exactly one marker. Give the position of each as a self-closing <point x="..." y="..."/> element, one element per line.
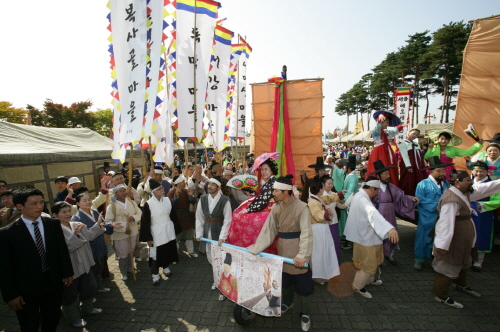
<point x="479" y="165"/>
<point x="350" y="162"/>
<point x="320" y="164"/>
<point x="105" y="165"/>
<point x="380" y="167"/>
<point x="153" y="184"/>
<point x="435" y="162"/>
<point x="495" y="138"/>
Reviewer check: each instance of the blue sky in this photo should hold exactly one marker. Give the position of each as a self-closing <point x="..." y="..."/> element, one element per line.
<point x="58" y="49"/>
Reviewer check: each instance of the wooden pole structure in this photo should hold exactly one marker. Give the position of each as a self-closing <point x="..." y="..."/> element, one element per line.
<point x="132" y="260"/>
<point x="194" y="65"/>
<point x="144" y="162"/>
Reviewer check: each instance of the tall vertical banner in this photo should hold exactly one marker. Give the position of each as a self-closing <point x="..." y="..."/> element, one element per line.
<point x="129" y="34"/>
<point x="242" y="89"/>
<point x="194" y="34"/>
<point x="231" y="128"/>
<point x="218" y="86"/>
<point x="402" y="97"/>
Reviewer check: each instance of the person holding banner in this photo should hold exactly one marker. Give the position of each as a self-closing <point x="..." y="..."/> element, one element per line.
<point x="382" y="135"/>
<point x="159" y="231"/>
<point x="291" y="217"/>
<point x="213" y="217"/>
<point x="123" y="212"/>
<point x="181" y="199"/>
<point x="367" y="229"/>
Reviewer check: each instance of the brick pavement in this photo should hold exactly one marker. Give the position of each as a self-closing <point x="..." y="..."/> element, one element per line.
<point x="185" y="302"/>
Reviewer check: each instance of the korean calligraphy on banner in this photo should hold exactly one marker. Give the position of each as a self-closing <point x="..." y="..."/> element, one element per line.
<point x="217" y="87"/>
<point x="128" y="31"/>
<point x="402" y="99"/>
<point x="195" y="30"/>
<point x="242" y="86"/>
<point x="231" y="107"/>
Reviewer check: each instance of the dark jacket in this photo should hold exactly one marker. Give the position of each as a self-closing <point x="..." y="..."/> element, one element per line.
<point x="20" y="263"/>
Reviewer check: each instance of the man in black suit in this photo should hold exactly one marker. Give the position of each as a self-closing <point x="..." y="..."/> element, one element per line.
<point x="34" y="263"/>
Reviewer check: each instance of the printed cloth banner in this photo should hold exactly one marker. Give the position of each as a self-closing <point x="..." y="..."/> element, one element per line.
<point x="242" y="90"/>
<point x="218" y="87"/>
<point x="129" y="34"/>
<point x="402" y="97"/>
<point x="251" y="281"/>
<point x="194" y="35"/>
<point x="231" y="127"/>
<point x="155" y="63"/>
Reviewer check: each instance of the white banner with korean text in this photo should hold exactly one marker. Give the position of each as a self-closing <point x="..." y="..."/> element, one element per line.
<point x="191" y="32"/>
<point x="128" y="26"/>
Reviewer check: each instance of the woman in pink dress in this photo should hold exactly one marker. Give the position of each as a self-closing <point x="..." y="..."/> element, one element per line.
<point x="251" y="215"/>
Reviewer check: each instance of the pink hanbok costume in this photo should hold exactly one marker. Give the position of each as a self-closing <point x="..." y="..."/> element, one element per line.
<point x="245" y="228"/>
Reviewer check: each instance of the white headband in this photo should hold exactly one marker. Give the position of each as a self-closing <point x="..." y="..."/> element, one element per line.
<point x="371" y="183"/>
<point x="215" y="181"/>
<point x="180" y="179"/>
<point x="158" y="171"/>
<point x="282" y="186"/>
<point x="115" y="189"/>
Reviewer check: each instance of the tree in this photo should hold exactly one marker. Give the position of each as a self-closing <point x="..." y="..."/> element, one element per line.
<point x="12" y="114"/>
<point x="445" y="61"/>
<point x="103" y="121"/>
<point x="412" y="57"/>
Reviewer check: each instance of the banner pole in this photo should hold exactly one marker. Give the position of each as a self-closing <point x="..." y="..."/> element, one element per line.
<point x="262" y="254"/>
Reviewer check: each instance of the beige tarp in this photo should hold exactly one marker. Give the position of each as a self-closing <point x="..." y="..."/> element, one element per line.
<point x="305" y="106"/>
<point x="30" y="145"/>
<point x="479" y="94"/>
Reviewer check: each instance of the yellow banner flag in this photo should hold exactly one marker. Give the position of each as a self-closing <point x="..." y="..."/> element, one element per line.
<point x="358" y="127"/>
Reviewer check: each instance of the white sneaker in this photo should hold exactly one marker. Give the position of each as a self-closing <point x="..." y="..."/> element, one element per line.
<point x="305" y="322"/>
<point x="221" y="297"/>
<point x="214" y="287"/>
<point x="449" y="302"/>
<point x="363" y="292"/>
<point x="167" y="271"/>
<point x="377" y="282"/>
<point x="156" y="279"/>
<point x="192" y="254"/>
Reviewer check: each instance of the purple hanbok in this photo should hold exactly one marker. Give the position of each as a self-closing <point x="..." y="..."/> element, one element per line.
<point x="389" y="201"/>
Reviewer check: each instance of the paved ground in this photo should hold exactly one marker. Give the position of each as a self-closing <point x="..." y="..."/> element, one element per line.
<point x="403" y="303"/>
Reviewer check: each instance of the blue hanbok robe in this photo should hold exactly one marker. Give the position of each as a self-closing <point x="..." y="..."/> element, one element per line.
<point x="484" y="220"/>
<point x="352" y="186"/>
<point x="429" y="194"/>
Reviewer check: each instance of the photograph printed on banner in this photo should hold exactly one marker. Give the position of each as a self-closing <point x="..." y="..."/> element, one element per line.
<point x="251" y="281"/>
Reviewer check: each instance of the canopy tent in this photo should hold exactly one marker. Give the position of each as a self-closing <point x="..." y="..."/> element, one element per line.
<point x="346" y="138"/>
<point x="30" y="145"/>
<point x="362" y="136"/>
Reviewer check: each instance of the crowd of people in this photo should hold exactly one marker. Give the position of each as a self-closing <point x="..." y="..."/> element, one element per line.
<point x="204" y="196"/>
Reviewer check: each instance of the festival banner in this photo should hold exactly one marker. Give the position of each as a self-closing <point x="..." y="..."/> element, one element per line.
<point x="231" y="127"/>
<point x="218" y="86"/>
<point x="194" y="38"/>
<point x="358" y="127"/>
<point x="241" y="112"/>
<point x="402" y="97"/>
<point x="345" y="131"/>
<point x="129" y="34"/>
<point x="155" y="63"/>
<point x="251" y="281"/>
